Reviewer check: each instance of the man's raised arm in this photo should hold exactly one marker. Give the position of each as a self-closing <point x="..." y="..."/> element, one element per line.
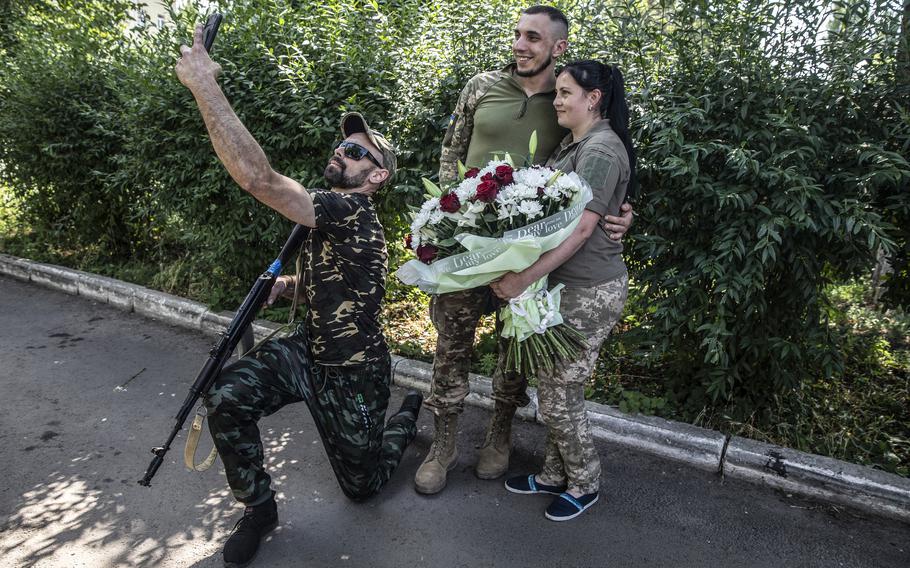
<point x="235" y="146"/>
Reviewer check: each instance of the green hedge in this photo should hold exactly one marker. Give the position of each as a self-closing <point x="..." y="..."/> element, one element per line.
<point x="772" y="141"/>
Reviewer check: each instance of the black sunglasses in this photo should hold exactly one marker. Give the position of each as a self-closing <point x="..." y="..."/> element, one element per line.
<point x="357" y="152"/>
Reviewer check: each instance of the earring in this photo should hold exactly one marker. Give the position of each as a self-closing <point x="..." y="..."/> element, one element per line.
<point x="590" y="107"/>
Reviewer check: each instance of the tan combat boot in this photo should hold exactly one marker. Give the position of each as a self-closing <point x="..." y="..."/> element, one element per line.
<point x="442" y="457"/>
<point x="493" y="457"/>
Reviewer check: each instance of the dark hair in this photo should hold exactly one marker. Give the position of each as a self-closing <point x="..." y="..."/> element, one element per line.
<point x="555" y="14"/>
<point x="590" y="75"/>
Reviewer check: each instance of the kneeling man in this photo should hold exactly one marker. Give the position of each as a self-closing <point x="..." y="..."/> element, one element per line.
<point x="337" y="362"/>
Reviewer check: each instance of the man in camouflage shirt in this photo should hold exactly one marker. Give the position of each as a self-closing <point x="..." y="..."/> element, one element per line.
<point x="496" y="113"/>
<point x="337" y="362"/>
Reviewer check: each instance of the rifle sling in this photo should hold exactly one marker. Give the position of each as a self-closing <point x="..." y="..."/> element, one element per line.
<point x="192" y="437"/>
<point x="192" y="441"/>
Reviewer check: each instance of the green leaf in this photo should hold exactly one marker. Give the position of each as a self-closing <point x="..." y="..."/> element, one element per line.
<point x="532" y="146"/>
<point x="432" y="188"/>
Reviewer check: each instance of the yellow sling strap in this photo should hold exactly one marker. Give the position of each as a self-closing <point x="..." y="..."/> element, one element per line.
<point x="192" y="437"/>
<point x="192" y="440"/>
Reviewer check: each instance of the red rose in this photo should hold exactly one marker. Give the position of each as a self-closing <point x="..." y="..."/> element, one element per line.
<point x="504" y="174"/>
<point x="449" y="203"/>
<point x="487" y="191"/>
<point x="426" y="253"/>
<point x="472" y="172"/>
<point x="489" y="177"/>
<point x="408" y="240"/>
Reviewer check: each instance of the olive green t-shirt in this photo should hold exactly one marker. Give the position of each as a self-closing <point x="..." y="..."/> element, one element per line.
<point x="344" y="280"/>
<point x="504" y="119"/>
<point x="599" y="158"/>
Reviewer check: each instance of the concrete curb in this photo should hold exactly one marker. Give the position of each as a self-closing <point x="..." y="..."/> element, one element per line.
<point x="698" y="447"/>
<point x="820" y="477"/>
<point x="814" y="476"/>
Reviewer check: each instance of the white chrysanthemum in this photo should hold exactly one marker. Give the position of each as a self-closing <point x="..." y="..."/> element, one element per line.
<point x="429" y="214"/>
<point x="533" y="177"/>
<point x="523" y="191"/>
<point x="490" y="168"/>
<point x="429" y="204"/>
<point x="507" y="196"/>
<point x="421" y="219"/>
<point x="467" y="189"/>
<point x="532" y="209"/>
<point x="568" y="183"/>
<point x="415" y="236"/>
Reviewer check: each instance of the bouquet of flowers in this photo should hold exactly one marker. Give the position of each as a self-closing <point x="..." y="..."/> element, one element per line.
<point x="494" y="220"/>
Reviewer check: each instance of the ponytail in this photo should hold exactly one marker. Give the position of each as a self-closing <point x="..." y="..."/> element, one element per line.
<point x="608" y="79"/>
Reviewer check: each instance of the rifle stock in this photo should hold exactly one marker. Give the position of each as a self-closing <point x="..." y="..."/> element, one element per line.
<point x="228" y="340"/>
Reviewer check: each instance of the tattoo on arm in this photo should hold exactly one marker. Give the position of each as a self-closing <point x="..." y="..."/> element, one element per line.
<point x="235" y="146"/>
<point x="245" y="160"/>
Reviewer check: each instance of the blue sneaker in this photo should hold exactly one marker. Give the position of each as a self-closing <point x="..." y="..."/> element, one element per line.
<point x="527" y="486"/>
<point x="565" y="507"/>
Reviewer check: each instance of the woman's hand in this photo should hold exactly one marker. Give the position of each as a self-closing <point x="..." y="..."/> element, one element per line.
<point x="511" y="285"/>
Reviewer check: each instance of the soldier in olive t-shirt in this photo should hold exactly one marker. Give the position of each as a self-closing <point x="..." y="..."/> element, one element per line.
<point x="495" y="116"/>
<point x="496" y="113"/>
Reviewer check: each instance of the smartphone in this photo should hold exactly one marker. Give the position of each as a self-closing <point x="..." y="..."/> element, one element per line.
<point x="211" y="30"/>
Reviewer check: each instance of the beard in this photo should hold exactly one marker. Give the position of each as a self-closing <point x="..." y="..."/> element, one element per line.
<point x="338" y="176"/>
<point x="535" y="71"/>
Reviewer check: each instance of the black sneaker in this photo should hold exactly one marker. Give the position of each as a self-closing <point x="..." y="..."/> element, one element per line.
<point x="243" y="543"/>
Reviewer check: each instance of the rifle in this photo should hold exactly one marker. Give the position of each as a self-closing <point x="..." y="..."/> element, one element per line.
<point x="228" y="340"/>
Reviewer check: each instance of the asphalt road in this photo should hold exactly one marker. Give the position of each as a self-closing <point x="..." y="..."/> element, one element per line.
<point x="86" y="390"/>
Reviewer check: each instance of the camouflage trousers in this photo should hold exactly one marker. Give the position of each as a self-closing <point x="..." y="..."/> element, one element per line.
<point x="455" y="316"/>
<point x="570" y="456"/>
<point x="348" y="405"/>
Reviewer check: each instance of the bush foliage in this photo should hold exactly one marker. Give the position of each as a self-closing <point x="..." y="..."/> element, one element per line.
<point x="773" y="138"/>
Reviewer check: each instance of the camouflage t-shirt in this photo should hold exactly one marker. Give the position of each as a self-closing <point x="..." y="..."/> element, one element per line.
<point x="345" y="267"/>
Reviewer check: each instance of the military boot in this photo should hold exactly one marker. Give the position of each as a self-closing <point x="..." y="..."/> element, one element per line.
<point x="493" y="457"/>
<point x="243" y="543"/>
<point x="442" y="457"/>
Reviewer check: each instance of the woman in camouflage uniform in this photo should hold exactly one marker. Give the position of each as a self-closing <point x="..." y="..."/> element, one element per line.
<point x="590" y="102"/>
